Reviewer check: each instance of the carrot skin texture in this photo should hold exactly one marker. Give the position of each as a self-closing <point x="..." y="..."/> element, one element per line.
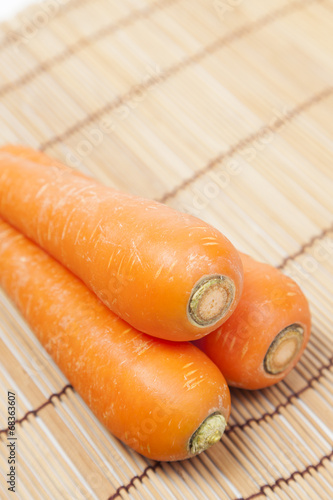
<point x="270" y="302"/>
<point x="151" y="393"/>
<point x="141" y="258"/>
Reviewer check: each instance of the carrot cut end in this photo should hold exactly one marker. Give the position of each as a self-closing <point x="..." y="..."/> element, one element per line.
<point x="208" y="433"/>
<point x="283" y="349"/>
<point x="210" y="300"/>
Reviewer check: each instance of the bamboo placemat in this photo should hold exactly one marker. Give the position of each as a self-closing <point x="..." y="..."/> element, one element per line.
<point x="222" y="109"/>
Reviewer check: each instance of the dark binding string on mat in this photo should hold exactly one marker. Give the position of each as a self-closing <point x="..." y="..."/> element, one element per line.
<point x="287" y="480"/>
<point x="251" y="138"/>
<point x="239" y="33"/>
<point x="56" y="395"/>
<point x="82" y="43"/>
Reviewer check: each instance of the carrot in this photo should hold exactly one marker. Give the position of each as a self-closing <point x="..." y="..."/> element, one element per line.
<point x="267" y="334"/>
<point x="167" y="400"/>
<point x="166" y="273"/>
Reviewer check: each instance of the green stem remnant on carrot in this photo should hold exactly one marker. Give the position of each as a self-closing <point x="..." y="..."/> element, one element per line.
<point x="166" y="400"/>
<point x="209" y="433"/>
<point x="144" y="260"/>
<point x="268" y="332"/>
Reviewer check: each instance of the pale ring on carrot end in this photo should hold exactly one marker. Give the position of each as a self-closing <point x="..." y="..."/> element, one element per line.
<point x="211" y="299"/>
<point x="208" y="433"/>
<point x="284" y="349"/>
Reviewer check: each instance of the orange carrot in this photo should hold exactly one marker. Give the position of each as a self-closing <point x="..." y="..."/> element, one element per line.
<point x="166" y="273"/>
<point x="167" y="400"/>
<point x="267" y="334"/>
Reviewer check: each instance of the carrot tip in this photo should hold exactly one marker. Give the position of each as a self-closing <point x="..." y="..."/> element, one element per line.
<point x="210" y="300"/>
<point x="208" y="433"/>
<point x="284" y="348"/>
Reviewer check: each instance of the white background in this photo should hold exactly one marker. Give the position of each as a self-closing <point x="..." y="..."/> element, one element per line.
<point x="9" y="8"/>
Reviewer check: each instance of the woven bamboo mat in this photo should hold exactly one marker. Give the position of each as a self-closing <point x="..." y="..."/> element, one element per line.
<point x="222" y="109"/>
